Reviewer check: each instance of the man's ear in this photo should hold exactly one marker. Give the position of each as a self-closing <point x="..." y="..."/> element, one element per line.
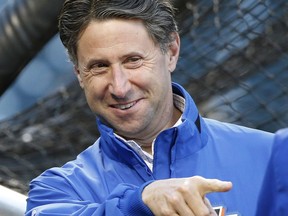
<point x="78" y="75"/>
<point x="173" y="51"/>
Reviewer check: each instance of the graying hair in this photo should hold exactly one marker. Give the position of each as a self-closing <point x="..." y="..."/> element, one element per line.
<point x="157" y="15"/>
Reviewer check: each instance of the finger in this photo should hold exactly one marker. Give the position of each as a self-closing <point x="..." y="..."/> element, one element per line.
<point x="197" y="205"/>
<point x="162" y="207"/>
<point x="214" y="185"/>
<point x="181" y="207"/>
<point x="209" y="206"/>
<point x="184" y="210"/>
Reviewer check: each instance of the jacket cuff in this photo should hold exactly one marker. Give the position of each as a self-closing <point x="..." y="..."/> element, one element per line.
<point x="134" y="204"/>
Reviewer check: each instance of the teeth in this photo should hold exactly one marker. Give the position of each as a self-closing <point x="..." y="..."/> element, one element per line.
<point x="125" y="106"/>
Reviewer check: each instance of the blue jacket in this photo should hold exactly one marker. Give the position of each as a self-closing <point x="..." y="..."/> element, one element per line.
<point x="273" y="198"/>
<point x="108" y="177"/>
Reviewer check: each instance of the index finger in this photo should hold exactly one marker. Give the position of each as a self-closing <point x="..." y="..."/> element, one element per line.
<point x="214" y="185"/>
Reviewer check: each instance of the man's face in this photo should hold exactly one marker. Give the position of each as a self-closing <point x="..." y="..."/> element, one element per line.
<point x="126" y="77"/>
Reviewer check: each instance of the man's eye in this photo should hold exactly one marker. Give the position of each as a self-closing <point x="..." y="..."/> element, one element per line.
<point x="99" y="65"/>
<point x="98" y="68"/>
<point x="134" y="59"/>
<point x="133" y="62"/>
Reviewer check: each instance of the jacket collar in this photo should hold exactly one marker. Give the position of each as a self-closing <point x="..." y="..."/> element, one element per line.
<point x="174" y="144"/>
<point x="190" y="111"/>
<point x="187" y="138"/>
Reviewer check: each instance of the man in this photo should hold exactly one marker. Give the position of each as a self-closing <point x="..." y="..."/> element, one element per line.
<point x="273" y="198"/>
<point x="156" y="154"/>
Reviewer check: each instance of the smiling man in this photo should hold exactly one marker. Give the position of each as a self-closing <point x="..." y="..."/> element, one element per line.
<point x="126" y="78"/>
<point x="156" y="155"/>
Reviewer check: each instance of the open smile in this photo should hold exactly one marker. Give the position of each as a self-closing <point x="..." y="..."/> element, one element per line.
<point x="124" y="106"/>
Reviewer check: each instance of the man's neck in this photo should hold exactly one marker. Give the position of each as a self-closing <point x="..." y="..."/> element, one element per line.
<point x="179" y="103"/>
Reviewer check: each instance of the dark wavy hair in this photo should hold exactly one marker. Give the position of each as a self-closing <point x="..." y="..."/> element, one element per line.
<point x="157" y="15"/>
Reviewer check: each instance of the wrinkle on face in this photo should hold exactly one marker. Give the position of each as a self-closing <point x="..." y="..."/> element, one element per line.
<point x="135" y="101"/>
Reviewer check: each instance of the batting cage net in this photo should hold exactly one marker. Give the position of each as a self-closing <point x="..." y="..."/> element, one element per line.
<point x="233" y="61"/>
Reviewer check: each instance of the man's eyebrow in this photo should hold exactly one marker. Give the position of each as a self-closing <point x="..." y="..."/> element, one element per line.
<point x="133" y="53"/>
<point x="105" y="61"/>
<point x="87" y="65"/>
<point x="95" y="61"/>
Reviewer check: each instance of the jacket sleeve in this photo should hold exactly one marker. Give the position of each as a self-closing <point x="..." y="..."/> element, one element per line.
<point x="273" y="199"/>
<point x="125" y="200"/>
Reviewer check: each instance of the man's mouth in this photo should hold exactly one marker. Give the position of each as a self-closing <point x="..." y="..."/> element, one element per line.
<point x="124" y="106"/>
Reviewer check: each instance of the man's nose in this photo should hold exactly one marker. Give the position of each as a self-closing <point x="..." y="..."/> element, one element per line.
<point x="119" y="85"/>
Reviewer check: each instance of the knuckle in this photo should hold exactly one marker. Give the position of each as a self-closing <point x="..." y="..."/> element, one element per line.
<point x="166" y="212"/>
<point x="174" y="198"/>
<point x="197" y="179"/>
<point x="184" y="188"/>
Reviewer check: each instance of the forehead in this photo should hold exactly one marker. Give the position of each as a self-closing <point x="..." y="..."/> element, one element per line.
<point x="111" y="40"/>
<point x="112" y="32"/>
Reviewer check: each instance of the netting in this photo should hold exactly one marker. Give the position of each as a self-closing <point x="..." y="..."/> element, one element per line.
<point x="234" y="62"/>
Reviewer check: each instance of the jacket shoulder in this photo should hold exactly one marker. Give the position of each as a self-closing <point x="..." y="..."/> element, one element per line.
<point x="237" y="133"/>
